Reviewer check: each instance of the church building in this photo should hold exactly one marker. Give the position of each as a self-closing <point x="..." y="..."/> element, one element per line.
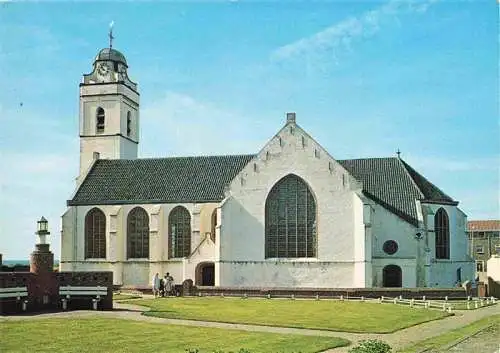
<point x="290" y="215"/>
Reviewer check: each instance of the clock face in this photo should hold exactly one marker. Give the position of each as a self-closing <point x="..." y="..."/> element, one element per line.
<point x="103" y="69"/>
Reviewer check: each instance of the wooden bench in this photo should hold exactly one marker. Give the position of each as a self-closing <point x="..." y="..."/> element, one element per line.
<point x="94" y="293"/>
<point x="16" y="292"/>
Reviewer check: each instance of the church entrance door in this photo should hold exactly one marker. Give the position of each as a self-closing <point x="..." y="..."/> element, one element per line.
<point x="392" y="276"/>
<point x="205" y="274"/>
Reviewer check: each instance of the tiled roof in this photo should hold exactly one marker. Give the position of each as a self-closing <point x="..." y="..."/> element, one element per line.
<point x="159" y="180"/>
<point x="388" y="181"/>
<point x="394" y="184"/>
<point x="482" y="226"/>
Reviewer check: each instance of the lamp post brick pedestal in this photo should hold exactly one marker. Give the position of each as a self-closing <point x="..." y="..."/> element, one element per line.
<point x="42" y="265"/>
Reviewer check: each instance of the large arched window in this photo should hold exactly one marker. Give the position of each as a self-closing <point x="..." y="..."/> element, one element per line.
<point x="100" y="120"/>
<point x="442" y="231"/>
<point x="214" y="225"/>
<point x="138" y="234"/>
<point x="290" y="223"/>
<point x="95" y="234"/>
<point x="179" y="232"/>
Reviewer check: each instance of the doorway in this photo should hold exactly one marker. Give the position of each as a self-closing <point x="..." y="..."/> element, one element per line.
<point x="392" y="276"/>
<point x="205" y="274"/>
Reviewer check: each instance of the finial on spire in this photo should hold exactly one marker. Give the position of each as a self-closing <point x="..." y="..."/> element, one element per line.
<point x="111" y="34"/>
<point x="398" y="152"/>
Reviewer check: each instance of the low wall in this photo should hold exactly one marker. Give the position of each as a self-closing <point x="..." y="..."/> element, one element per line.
<point x="43" y="290"/>
<point x="417" y="293"/>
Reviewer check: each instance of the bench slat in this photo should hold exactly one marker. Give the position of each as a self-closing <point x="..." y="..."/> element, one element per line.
<point x="77" y="292"/>
<point x="13" y="289"/>
<point x="83" y="288"/>
<point x="13" y="295"/>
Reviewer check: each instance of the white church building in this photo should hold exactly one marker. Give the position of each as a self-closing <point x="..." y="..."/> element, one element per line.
<point x="290" y="215"/>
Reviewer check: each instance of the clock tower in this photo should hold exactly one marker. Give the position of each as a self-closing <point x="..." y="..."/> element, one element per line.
<point x="109" y="111"/>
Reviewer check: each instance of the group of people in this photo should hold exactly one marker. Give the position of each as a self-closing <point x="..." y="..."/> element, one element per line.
<point x="163" y="287"/>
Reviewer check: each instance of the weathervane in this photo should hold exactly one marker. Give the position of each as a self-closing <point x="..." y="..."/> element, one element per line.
<point x="111" y="34"/>
<point x="398" y="152"/>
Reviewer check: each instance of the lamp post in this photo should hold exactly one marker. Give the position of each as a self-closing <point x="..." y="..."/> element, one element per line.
<point x="42" y="230"/>
<point x="42" y="259"/>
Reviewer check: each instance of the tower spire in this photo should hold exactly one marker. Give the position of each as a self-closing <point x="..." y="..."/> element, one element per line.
<point x="111" y="34"/>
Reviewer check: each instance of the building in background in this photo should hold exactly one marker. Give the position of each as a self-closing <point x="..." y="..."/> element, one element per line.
<point x="484" y="240"/>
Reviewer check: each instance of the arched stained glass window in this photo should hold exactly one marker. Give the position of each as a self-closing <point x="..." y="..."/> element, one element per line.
<point x="290" y="220"/>
<point x="179" y="228"/>
<point x="137" y="234"/>
<point x="214" y="224"/>
<point x="442" y="231"/>
<point x="95" y="234"/>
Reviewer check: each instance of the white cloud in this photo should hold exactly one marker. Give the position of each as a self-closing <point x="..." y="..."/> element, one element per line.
<point x="340" y="36"/>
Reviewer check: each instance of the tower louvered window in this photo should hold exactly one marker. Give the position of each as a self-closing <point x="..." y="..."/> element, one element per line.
<point x="179" y="228"/>
<point x="100" y="117"/>
<point x="442" y="231"/>
<point x="137" y="234"/>
<point x="95" y="234"/>
<point x="290" y="220"/>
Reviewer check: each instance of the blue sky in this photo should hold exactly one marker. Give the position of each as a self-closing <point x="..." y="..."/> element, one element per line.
<point x="365" y="79"/>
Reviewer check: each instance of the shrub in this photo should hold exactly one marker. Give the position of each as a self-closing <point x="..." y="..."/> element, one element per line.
<point x="371" y="346"/>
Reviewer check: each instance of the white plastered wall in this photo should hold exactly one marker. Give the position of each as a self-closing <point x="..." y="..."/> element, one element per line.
<point x="135" y="272"/>
<point x="242" y="258"/>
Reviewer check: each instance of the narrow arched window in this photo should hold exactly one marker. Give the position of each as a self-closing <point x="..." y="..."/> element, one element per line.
<point x="442" y="231"/>
<point x="179" y="231"/>
<point x="214" y="224"/>
<point x="137" y="234"/>
<point x="95" y="234"/>
<point x="100" y="117"/>
<point x="129" y="123"/>
<point x="290" y="219"/>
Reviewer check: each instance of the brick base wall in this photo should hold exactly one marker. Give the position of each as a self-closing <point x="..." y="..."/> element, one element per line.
<point x="43" y="290"/>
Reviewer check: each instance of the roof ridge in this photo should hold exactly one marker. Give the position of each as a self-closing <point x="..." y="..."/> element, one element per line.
<point x="406" y="166"/>
<point x="403" y="164"/>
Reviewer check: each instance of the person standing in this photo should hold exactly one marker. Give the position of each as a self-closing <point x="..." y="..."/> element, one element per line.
<point x="156" y="285"/>
<point x="169" y="283"/>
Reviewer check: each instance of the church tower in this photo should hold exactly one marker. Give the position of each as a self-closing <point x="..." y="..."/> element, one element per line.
<point x="109" y="110"/>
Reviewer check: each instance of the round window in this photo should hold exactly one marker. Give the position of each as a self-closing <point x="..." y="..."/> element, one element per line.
<point x="390" y="247"/>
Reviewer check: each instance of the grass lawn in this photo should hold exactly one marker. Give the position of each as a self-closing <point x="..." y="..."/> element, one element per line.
<point x="125" y="296"/>
<point x="117" y="335"/>
<point x="324" y="314"/>
<point x="452" y="336"/>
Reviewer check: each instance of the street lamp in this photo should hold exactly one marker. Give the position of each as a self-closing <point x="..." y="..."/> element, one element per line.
<point x="42" y="230"/>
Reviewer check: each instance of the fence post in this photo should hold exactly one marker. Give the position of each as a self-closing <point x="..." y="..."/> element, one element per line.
<point x="395" y="300"/>
<point x="475" y="304"/>
<point x="468" y="305"/>
<point x="362" y="298"/>
<point x="292" y="296"/>
<point x="446" y="298"/>
<point x="412" y="301"/>
<point x="25" y="305"/>
<point x="423" y="298"/>
<point x="341" y="297"/>
<point x="94" y="304"/>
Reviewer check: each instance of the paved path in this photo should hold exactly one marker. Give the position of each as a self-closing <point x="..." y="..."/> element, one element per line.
<point x="397" y="339"/>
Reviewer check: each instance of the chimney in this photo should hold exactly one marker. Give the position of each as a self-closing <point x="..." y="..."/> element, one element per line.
<point x="290" y="118"/>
